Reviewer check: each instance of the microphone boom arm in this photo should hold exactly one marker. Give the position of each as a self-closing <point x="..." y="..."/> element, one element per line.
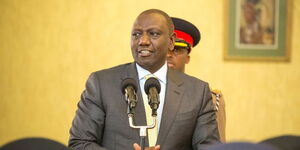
<point x="143" y="129"/>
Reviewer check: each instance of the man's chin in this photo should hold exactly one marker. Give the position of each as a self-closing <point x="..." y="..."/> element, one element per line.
<point x="145" y="64"/>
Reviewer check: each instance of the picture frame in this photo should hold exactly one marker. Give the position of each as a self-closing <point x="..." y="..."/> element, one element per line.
<point x="257" y="30"/>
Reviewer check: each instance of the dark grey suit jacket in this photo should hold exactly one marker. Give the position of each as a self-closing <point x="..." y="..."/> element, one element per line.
<point x="101" y="122"/>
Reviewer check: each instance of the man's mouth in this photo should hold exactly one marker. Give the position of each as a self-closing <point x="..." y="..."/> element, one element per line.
<point x="145" y="53"/>
<point x="171" y="65"/>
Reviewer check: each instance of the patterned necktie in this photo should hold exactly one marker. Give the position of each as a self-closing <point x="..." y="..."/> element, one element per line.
<point x="152" y="133"/>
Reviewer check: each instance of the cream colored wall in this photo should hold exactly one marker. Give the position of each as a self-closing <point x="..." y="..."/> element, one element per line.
<point x="48" y="49"/>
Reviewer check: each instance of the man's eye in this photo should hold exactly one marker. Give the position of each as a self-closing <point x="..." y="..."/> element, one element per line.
<point x="177" y="50"/>
<point x="136" y="34"/>
<point x="154" y="34"/>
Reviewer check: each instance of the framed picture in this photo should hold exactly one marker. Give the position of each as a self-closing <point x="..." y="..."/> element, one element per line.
<point x="257" y="30"/>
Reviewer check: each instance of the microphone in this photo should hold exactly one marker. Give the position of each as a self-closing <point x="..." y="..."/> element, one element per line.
<point x="152" y="89"/>
<point x="128" y="87"/>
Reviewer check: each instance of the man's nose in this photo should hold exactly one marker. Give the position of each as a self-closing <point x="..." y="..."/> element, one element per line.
<point x="144" y="40"/>
<point x="169" y="54"/>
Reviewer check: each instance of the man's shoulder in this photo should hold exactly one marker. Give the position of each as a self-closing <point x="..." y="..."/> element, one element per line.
<point x="114" y="70"/>
<point x="188" y="78"/>
<point x="113" y="73"/>
<point x="195" y="79"/>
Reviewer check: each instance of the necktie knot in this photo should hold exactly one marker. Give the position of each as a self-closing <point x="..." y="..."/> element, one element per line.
<point x="146" y="77"/>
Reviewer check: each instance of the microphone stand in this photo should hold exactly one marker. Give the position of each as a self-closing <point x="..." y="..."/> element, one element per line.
<point x="143" y="129"/>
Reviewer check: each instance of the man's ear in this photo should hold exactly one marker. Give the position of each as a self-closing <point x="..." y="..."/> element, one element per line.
<point x="172" y="41"/>
<point x="187" y="59"/>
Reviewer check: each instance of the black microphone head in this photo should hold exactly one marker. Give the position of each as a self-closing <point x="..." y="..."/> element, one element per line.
<point x="128" y="82"/>
<point x="152" y="82"/>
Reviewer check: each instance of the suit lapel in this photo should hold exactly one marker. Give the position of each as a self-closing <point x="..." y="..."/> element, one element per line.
<point x="173" y="99"/>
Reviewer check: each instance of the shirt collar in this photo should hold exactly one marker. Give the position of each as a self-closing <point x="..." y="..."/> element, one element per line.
<point x="161" y="74"/>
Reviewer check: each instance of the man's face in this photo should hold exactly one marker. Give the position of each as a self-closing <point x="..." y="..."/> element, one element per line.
<point x="178" y="58"/>
<point x="150" y="41"/>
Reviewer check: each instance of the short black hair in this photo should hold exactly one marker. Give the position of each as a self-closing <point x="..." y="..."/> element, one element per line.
<point x="165" y="15"/>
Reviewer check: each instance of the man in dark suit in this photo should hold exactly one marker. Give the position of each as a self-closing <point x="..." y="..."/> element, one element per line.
<point x="186" y="118"/>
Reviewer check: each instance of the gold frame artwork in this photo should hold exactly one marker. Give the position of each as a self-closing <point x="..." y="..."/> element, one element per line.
<point x="257" y="30"/>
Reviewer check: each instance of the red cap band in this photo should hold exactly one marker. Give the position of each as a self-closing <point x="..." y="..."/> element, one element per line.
<point x="184" y="36"/>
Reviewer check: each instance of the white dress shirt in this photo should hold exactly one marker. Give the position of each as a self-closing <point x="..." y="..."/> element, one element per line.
<point x="161" y="75"/>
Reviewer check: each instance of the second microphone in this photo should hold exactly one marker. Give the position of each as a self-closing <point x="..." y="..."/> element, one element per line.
<point x="152" y="89"/>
